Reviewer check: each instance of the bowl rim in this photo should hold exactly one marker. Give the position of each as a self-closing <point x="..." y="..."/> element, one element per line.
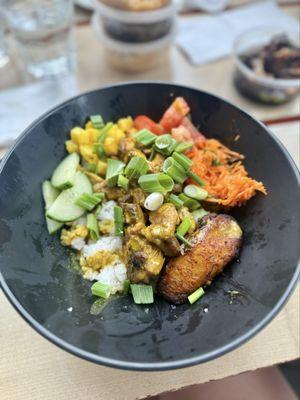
<point x="156" y="366"/>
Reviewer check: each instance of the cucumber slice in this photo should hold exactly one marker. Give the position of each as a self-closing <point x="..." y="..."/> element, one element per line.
<point x="50" y="194"/>
<point x="64" y="208"/>
<point x="64" y="174"/>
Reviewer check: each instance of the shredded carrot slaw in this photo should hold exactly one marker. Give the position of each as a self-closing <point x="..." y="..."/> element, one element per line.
<point x="225" y="177"/>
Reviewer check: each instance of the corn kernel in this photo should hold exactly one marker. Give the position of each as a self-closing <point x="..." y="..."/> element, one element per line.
<point x="101" y="167"/>
<point x="79" y="136"/>
<point x="71" y="147"/>
<point x="89" y="125"/>
<point x="125" y="123"/>
<point x="86" y="150"/>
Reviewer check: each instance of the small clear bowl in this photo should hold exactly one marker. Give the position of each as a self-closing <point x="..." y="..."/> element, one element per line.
<point x="133" y="57"/>
<point x="135" y="5"/>
<point x="262" y="88"/>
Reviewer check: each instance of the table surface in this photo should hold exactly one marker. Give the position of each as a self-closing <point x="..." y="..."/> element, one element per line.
<point x="33" y="368"/>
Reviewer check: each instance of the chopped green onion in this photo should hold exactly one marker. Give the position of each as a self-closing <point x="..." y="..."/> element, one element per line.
<point x="100" y="196"/>
<point x="182" y="147"/>
<point x="119" y="223"/>
<point x="101" y="290"/>
<point x="174" y="170"/>
<point x="195" y="192"/>
<point x="196" y="295"/>
<point x="175" y="200"/>
<point x="145" y="137"/>
<point x="104" y="132"/>
<point x="123" y="182"/>
<point x="163" y="141"/>
<point x="199" y="214"/>
<point x="88" y="201"/>
<point x="156" y="183"/>
<point x="136" y="167"/>
<point x="99" y="150"/>
<point x="192" y="204"/>
<point x="92" y="225"/>
<point x="97" y="121"/>
<point x="126" y="286"/>
<point x="216" y="163"/>
<point x="195" y="178"/>
<point x="152" y="154"/>
<point x="142" y="294"/>
<point x="90" y="167"/>
<point x="183" y="160"/>
<point x="114" y="168"/>
<point x="184" y="226"/>
<point x="183" y="240"/>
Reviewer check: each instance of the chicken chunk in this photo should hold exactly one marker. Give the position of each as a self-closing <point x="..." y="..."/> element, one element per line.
<point x="162" y="229"/>
<point x="144" y="260"/>
<point x="214" y="245"/>
<point x="133" y="213"/>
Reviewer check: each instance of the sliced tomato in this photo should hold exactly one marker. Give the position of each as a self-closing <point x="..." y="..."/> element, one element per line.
<point x="195" y="134"/>
<point x="174" y="114"/>
<point x="144" y="122"/>
<point x="182" y="134"/>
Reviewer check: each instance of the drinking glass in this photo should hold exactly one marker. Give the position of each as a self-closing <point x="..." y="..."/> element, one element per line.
<point x="3" y="46"/>
<point x="44" y="34"/>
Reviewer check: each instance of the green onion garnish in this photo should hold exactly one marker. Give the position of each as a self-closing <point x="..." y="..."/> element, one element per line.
<point x="183" y="240"/>
<point x="114" y="168"/>
<point x="152" y="154"/>
<point x="126" y="286"/>
<point x="174" y="170"/>
<point x="192" y="204"/>
<point x="163" y="141"/>
<point x="123" y="182"/>
<point x="182" y="147"/>
<point x="184" y="226"/>
<point x="195" y="192"/>
<point x="101" y="290"/>
<point x="199" y="214"/>
<point x="145" y="137"/>
<point x="119" y="223"/>
<point x="104" y="132"/>
<point x="97" y="121"/>
<point x="196" y="295"/>
<point x="92" y="225"/>
<point x="88" y="201"/>
<point x="142" y="294"/>
<point x="99" y="150"/>
<point x="161" y="183"/>
<point x="175" y="200"/>
<point x="196" y="178"/>
<point x="136" y="167"/>
<point x="183" y="160"/>
<point x="216" y="163"/>
<point x="90" y="167"/>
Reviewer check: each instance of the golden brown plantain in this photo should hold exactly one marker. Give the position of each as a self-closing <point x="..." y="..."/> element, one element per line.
<point x="214" y="245"/>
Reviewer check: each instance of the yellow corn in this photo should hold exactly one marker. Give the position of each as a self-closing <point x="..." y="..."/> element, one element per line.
<point x="89" y="125"/>
<point x="71" y="146"/>
<point x="93" y="134"/>
<point x="101" y="167"/>
<point x="79" y="136"/>
<point x="86" y="150"/>
<point x="125" y="123"/>
<point x="111" y="146"/>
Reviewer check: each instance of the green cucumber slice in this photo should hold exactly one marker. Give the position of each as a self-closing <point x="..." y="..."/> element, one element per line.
<point x="64" y="174"/>
<point x="64" y="208"/>
<point x="50" y="193"/>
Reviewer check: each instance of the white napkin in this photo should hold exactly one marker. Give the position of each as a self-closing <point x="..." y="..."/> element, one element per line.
<point x="20" y="106"/>
<point x="208" y="38"/>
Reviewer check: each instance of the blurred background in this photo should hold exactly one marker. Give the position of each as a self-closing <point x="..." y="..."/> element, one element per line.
<point x="246" y="51"/>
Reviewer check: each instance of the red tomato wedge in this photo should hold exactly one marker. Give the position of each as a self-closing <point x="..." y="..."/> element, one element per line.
<point x="174" y="114"/>
<point x="195" y="134"/>
<point x="144" y="122"/>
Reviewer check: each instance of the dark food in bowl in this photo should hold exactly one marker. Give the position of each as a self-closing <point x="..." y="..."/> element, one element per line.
<point x="279" y="59"/>
<point x="35" y="269"/>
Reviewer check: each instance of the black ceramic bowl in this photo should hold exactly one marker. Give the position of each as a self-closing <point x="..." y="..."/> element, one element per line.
<point x="36" y="278"/>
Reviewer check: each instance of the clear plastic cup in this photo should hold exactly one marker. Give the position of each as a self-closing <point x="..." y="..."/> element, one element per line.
<point x="43" y="31"/>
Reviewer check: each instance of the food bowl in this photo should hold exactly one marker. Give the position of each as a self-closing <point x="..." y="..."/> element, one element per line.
<point x="35" y="269"/>
<point x="258" y="84"/>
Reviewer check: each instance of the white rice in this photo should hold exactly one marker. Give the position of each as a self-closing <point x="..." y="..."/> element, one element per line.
<point x="110" y="243"/>
<point x="79" y="221"/>
<point x="107" y="211"/>
<point x="113" y="275"/>
<point x="78" y="243"/>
